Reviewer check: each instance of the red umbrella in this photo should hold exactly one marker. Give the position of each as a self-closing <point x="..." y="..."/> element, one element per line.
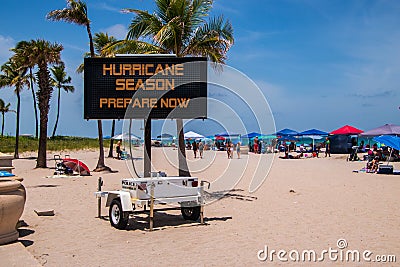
<point x="219" y="138"/>
<point x="347" y="129"/>
<point x="76" y="165"/>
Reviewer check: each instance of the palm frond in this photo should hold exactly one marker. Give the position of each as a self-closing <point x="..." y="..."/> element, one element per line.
<point x="75" y="12"/>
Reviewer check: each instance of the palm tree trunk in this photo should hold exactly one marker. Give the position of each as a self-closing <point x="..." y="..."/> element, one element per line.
<point x="100" y="163"/>
<point x="110" y="152"/>
<point x="16" y="155"/>
<point x="183" y="167"/>
<point x="42" y="157"/>
<point x="2" y="125"/>
<point x="34" y="105"/>
<point x="58" y="113"/>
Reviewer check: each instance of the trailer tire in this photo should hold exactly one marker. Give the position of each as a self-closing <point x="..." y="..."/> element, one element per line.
<point x="191" y="213"/>
<point x="118" y="217"/>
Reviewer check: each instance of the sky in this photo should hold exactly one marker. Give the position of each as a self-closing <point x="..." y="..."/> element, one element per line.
<point x="318" y="63"/>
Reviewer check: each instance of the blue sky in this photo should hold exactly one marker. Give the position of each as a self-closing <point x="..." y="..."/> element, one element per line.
<point x="319" y="63"/>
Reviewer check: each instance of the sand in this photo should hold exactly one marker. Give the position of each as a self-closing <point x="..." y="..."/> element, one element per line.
<point x="305" y="204"/>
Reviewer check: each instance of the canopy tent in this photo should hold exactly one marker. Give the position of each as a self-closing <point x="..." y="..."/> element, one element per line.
<point x="347" y="130"/>
<point x="287" y="131"/>
<point x="125" y="136"/>
<point x="193" y="135"/>
<point x="386" y="129"/>
<point x="251" y="135"/>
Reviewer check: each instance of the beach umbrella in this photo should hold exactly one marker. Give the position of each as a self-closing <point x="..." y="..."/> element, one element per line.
<point x="219" y="137"/>
<point x="125" y="136"/>
<point x="348" y="130"/>
<point x="389" y="140"/>
<point x="193" y="135"/>
<point x="313" y="134"/>
<point x="76" y="165"/>
<point x="287" y="132"/>
<point x="251" y="135"/>
<point x="390" y="129"/>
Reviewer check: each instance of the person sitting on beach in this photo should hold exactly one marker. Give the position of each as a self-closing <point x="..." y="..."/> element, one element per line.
<point x="373" y="165"/>
<point x="288" y="156"/>
<point x="118" y="150"/>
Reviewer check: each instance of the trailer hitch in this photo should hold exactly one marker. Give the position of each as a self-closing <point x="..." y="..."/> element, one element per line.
<point x="205" y="182"/>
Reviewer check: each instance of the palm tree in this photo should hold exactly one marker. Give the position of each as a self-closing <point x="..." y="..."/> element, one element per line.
<point x="76" y="13"/>
<point x="42" y="53"/>
<point x="21" y="46"/>
<point x="14" y="74"/>
<point x="60" y="81"/>
<point x="179" y="27"/>
<point x="4" y="109"/>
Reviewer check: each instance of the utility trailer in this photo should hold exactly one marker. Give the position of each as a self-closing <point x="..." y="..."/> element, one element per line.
<point x="139" y="193"/>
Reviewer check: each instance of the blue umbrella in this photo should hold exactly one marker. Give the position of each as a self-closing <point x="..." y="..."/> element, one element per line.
<point x="389" y="140"/>
<point x="287" y="132"/>
<point x="251" y="135"/>
<point x="313" y="132"/>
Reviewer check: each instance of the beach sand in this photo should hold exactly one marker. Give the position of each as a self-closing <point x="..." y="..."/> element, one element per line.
<point x="304" y="204"/>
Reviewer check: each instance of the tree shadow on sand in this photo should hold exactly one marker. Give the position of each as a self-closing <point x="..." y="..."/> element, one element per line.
<point x="228" y="194"/>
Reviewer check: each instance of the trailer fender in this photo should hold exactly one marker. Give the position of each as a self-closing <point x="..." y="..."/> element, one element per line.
<point x="125" y="198"/>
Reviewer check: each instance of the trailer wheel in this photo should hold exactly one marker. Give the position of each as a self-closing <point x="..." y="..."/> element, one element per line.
<point x="191" y="213"/>
<point x="118" y="218"/>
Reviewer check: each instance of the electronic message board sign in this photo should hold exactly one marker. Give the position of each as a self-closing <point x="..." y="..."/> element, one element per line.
<point x="145" y="87"/>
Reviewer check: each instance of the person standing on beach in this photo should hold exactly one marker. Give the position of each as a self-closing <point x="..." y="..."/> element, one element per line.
<point x="228" y="150"/>
<point x="256" y="145"/>
<point x="195" y="149"/>
<point x="118" y="150"/>
<point x="238" y="149"/>
<point x="327" y="147"/>
<point x="201" y="148"/>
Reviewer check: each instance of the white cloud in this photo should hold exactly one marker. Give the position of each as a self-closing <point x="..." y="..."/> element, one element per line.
<point x="119" y="31"/>
<point x="5" y="44"/>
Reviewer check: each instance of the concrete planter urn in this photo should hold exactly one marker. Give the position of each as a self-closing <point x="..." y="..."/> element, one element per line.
<point x="12" y="202"/>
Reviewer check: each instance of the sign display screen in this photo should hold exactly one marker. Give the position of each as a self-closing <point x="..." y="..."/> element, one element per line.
<point x="145" y="87"/>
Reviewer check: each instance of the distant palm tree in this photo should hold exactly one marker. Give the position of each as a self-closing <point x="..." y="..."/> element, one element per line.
<point x="21" y="46"/>
<point x="4" y="109"/>
<point x="14" y="75"/>
<point x="179" y="27"/>
<point x="60" y="81"/>
<point x="42" y="53"/>
<point x="76" y="13"/>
